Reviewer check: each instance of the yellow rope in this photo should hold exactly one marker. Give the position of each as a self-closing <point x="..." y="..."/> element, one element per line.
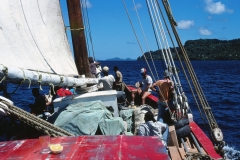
<point x="24" y="78"/>
<point x="51" y="84"/>
<point x="39" y="80"/>
<point x="77" y="29"/>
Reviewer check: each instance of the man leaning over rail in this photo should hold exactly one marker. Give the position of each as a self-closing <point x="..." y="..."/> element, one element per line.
<point x="165" y="88"/>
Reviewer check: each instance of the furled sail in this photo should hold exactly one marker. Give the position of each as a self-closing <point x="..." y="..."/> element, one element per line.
<point x="32" y="36"/>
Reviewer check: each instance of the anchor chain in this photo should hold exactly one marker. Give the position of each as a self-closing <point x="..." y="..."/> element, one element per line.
<point x="34" y="121"/>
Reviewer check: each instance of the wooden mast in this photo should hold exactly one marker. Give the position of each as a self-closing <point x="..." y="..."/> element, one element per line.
<point x="78" y="37"/>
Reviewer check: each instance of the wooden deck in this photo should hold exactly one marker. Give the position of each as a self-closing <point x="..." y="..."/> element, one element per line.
<point x="176" y="150"/>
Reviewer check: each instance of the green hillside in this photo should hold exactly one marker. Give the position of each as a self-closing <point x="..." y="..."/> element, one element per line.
<point x="205" y="49"/>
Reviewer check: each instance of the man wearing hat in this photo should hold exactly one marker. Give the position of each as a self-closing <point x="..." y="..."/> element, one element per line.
<point x="165" y="88"/>
<point x="143" y="88"/>
<point x="106" y="80"/>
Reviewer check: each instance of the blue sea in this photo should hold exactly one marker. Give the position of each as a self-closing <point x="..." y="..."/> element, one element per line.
<point x="219" y="81"/>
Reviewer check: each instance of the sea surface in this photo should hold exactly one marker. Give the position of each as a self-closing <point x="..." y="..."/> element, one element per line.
<point x="219" y="81"/>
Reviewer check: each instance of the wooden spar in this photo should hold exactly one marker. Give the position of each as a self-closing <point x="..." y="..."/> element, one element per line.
<point x="17" y="75"/>
<point x="78" y="37"/>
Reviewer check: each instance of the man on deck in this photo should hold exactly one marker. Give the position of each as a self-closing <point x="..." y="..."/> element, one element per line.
<point x="143" y="89"/>
<point x="165" y="88"/>
<point x="107" y="80"/>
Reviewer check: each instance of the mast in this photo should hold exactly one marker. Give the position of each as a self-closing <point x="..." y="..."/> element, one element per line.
<point x="78" y="37"/>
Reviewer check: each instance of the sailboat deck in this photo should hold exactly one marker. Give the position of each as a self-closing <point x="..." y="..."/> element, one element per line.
<point x="88" y="147"/>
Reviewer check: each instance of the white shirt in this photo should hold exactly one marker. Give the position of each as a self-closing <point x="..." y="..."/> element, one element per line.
<point x="107" y="82"/>
<point x="145" y="82"/>
<point x="151" y="128"/>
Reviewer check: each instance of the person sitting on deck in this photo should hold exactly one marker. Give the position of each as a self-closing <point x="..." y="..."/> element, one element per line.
<point x="39" y="106"/>
<point x="107" y="80"/>
<point x="143" y="88"/>
<point x="151" y="127"/>
<point x="165" y="89"/>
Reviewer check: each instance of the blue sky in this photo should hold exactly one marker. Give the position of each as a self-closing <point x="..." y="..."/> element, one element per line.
<point x="112" y="35"/>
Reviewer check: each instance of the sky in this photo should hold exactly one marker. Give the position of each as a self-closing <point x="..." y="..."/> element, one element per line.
<point x="112" y="35"/>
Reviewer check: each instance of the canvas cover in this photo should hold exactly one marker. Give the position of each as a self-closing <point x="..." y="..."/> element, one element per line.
<point x="32" y="36"/>
<point x="84" y="118"/>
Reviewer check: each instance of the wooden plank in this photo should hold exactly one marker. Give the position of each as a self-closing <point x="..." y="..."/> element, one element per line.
<point x="182" y="152"/>
<point x="175" y="155"/>
<point x="203" y="151"/>
<point x="172" y="140"/>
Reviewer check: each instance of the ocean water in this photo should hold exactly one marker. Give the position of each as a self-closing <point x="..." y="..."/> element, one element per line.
<point x="219" y="81"/>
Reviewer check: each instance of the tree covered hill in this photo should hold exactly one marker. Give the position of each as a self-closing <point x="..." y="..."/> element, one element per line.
<point x="204" y="49"/>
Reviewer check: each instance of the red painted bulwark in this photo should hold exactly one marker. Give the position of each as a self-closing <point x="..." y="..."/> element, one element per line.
<point x="88" y="147"/>
<point x="204" y="141"/>
<point x="151" y="97"/>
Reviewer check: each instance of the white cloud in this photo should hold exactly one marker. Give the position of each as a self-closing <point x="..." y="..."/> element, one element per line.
<point x="138" y="6"/>
<point x="216" y="8"/>
<point x="87" y="4"/>
<point x="185" y="24"/>
<point x="205" y="32"/>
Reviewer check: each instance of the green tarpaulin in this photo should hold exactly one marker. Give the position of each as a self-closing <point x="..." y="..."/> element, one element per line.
<point x="85" y="117"/>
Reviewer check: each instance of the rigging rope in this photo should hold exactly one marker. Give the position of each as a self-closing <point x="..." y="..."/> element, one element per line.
<point x="86" y="19"/>
<point x="170" y="36"/>
<point x="155" y="35"/>
<point x="166" y="54"/>
<point x="137" y="37"/>
<point x="145" y="39"/>
<point x="217" y="134"/>
<point x="33" y="120"/>
<point x="76" y="29"/>
<point x="24" y="78"/>
<point x="180" y="60"/>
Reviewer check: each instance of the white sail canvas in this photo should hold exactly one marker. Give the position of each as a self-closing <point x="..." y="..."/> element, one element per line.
<point x="32" y="36"/>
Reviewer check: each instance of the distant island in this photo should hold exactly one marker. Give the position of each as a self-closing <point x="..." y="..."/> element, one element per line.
<point x="204" y="49"/>
<point x="120" y="59"/>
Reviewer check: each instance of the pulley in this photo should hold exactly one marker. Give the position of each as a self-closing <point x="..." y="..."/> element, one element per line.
<point x="217" y="134"/>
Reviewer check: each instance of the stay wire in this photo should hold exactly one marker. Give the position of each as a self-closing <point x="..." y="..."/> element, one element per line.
<point x="85" y="24"/>
<point x="173" y="23"/>
<point x="179" y="58"/>
<point x="171" y="65"/>
<point x="136" y="36"/>
<point x="157" y="38"/>
<point x="201" y="96"/>
<point x="154" y="30"/>
<point x="89" y="31"/>
<point x="139" y="20"/>
<point x="155" y="35"/>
